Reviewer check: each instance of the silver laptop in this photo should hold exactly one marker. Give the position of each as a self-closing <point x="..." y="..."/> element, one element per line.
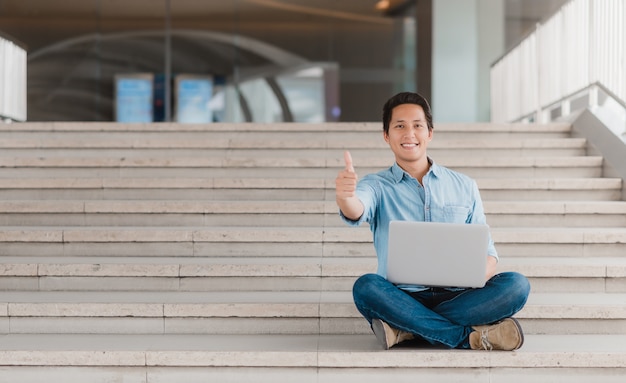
<point x="437" y="254"/>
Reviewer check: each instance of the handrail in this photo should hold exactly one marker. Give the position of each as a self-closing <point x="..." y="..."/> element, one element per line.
<point x="12" y="81"/>
<point x="609" y="93"/>
<point x="525" y="35"/>
<point x="582" y="44"/>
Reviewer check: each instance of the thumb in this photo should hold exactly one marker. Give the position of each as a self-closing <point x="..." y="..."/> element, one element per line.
<point x="348" y="159"/>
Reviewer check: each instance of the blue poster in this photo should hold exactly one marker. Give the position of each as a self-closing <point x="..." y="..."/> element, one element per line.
<point x="133" y="99"/>
<point x="192" y="99"/>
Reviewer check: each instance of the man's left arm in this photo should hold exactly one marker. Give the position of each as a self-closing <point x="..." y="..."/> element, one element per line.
<point x="478" y="216"/>
<point x="492" y="264"/>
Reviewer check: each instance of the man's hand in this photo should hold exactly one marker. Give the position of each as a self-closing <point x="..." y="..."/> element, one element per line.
<point x="492" y="264"/>
<point x="345" y="183"/>
<point x="345" y="188"/>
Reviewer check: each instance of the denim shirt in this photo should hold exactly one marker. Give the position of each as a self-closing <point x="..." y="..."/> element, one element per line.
<point x="393" y="194"/>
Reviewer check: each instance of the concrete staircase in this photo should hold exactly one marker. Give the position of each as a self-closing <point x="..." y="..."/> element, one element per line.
<point x="214" y="253"/>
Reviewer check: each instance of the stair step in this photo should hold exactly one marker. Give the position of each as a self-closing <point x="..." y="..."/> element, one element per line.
<point x="313" y="358"/>
<point x="253" y="312"/>
<point x="278" y="183"/>
<point x="282" y="213"/>
<point x="201" y="358"/>
<point x="229" y="165"/>
<point x="357" y="127"/>
<point x="555" y="213"/>
<point x="284" y="159"/>
<point x="263" y="140"/>
<point x="547" y="274"/>
<point x="329" y="160"/>
<point x="282" y="241"/>
<point x="273" y="189"/>
<point x="459" y="150"/>
<point x="200" y="140"/>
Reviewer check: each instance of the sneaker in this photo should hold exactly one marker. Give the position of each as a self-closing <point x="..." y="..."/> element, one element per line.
<point x="505" y="335"/>
<point x="387" y="335"/>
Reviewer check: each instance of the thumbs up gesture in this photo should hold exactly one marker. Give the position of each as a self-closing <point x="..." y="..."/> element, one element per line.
<point x="345" y="190"/>
<point x="345" y="183"/>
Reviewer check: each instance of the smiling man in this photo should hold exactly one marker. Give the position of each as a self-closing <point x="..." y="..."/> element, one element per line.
<point x="415" y="188"/>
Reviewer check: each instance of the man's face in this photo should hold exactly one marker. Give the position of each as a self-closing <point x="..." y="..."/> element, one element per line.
<point x="408" y="135"/>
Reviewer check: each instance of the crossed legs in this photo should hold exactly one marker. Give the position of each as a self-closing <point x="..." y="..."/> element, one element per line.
<point x="440" y="316"/>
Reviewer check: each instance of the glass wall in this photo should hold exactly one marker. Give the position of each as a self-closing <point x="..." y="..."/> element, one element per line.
<point x="260" y="60"/>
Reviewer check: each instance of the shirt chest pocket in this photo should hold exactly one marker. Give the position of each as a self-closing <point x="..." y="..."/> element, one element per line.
<point x="456" y="214"/>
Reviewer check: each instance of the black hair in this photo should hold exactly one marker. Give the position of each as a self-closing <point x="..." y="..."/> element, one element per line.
<point x="406" y="98"/>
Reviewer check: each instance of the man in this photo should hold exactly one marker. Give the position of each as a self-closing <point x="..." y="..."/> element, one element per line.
<point x="416" y="188"/>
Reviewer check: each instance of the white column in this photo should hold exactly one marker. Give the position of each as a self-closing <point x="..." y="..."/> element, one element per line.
<point x="468" y="35"/>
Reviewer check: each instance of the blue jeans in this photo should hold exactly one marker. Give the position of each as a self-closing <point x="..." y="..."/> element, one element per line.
<point x="440" y="316"/>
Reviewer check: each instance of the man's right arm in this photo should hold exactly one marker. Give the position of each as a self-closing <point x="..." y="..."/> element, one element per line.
<point x="345" y="191"/>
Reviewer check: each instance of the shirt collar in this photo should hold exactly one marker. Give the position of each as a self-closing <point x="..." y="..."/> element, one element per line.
<point x="397" y="172"/>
